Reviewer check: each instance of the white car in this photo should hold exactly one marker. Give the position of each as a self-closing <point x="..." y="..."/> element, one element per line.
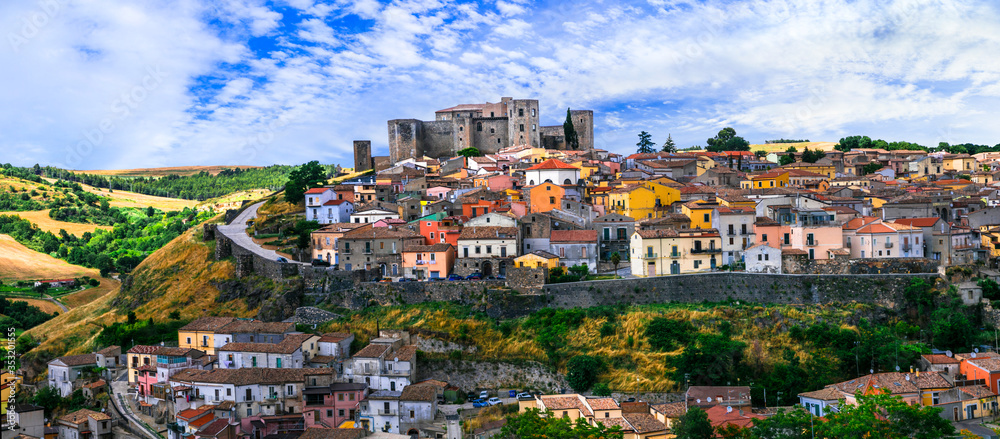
<point x="494" y="401"/>
<point x="524" y="395"/>
<point x="484" y="394"/>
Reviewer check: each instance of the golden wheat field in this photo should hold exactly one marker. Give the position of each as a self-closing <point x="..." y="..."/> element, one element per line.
<point x="778" y="147"/>
<point x="18" y="262"/>
<point x="43" y="221"/>
<point x="132" y="199"/>
<point x="44" y="305"/>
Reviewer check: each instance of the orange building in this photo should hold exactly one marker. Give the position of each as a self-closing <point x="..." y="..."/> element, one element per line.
<point x="439" y="228"/>
<point x="544" y="197"/>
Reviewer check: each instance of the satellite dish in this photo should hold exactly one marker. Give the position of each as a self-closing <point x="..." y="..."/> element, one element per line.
<point x="948" y="353"/>
<point x="709" y="399"/>
<point x="698" y="400"/>
<point x="871" y="370"/>
<point x="396" y="359"/>
<point x="907" y="377"/>
<point x="976" y="350"/>
<point x="973" y="355"/>
<point x="729" y="409"/>
<point x="897" y="368"/>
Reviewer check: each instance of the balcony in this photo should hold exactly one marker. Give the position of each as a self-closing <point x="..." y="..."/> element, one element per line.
<point x="397" y="372"/>
<point x="888" y="244"/>
<point x="732" y="233"/>
<point x="906" y="247"/>
<point x="847" y="244"/>
<point x="368" y="251"/>
<point x="426" y="262"/>
<point x="384" y="412"/>
<point x="650" y="256"/>
<point x="675" y="255"/>
<point x="706" y="250"/>
<point x="811" y="243"/>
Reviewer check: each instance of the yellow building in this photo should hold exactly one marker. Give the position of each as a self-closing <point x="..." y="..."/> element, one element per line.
<point x="963" y="163"/>
<point x="668" y="251"/>
<point x="200" y="334"/>
<point x="736" y="202"/>
<point x="8" y="383"/>
<point x="767" y="180"/>
<point x="137" y="357"/>
<point x="700" y="212"/>
<point x="991" y="240"/>
<point x="664" y="193"/>
<point x="586" y="168"/>
<point x="633" y="201"/>
<point x="536" y="259"/>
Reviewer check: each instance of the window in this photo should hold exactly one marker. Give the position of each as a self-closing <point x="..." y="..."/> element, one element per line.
<point x="340" y="397"/>
<point x="432" y="235"/>
<point x="532" y="112"/>
<point x="621" y="233"/>
<point x="189" y="340"/>
<point x="697" y="263"/>
<point x="649" y="251"/>
<point x="478" y="249"/>
<point x="607" y="234"/>
<point x="708" y="217"/>
<point x="552" y="200"/>
<point x="350" y="397"/>
<point x="787" y="240"/>
<point x="583" y="252"/>
<point x="562" y="252"/>
<point x="764" y="237"/>
<point x="760" y="257"/>
<point x="489" y="249"/>
<point x="522" y="127"/>
<point x="520" y="113"/>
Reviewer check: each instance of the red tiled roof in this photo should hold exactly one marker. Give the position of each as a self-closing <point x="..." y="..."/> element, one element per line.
<point x="719" y="417"/>
<point x="939" y="358"/>
<point x="335" y="202"/>
<point x="317" y="190"/>
<point x="588" y="236"/>
<point x="552" y="164"/>
<point x="917" y="222"/>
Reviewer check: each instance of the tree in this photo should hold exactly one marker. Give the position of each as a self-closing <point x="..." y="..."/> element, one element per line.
<point x="727" y="140"/>
<point x="991" y="289"/>
<point x="303" y="178"/>
<point x="812" y="155"/>
<point x="694" y="425"/>
<point x="786" y="424"/>
<point x="951" y="327"/>
<point x="871" y="168"/>
<point x="469" y="152"/>
<point x="175" y="315"/>
<point x="617" y="259"/>
<point x="602" y="389"/>
<point x="569" y="131"/>
<point x="885" y="416"/>
<point x="40" y="288"/>
<point x="853" y="142"/>
<point x="582" y="372"/>
<point x="668" y="145"/>
<point x="788" y="158"/>
<point x="668" y="334"/>
<point x="530" y="425"/>
<point x="150" y="212"/>
<point x="131" y="317"/>
<point x="645" y="144"/>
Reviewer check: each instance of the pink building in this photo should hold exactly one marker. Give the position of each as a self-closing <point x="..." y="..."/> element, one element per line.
<point x="147" y="377"/>
<point x="501" y="182"/>
<point x="328" y="407"/>
<point x="438" y="192"/>
<point x="428" y="261"/>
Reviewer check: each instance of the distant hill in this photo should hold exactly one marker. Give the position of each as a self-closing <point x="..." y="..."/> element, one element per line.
<point x="778" y="147"/>
<point x="162" y="172"/>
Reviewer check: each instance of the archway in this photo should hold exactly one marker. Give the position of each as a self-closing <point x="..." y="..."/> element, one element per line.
<point x="567" y="182"/>
<point x="414" y="433"/>
<point x="384" y="271"/>
<point x="487" y="269"/>
<point x="503" y="268"/>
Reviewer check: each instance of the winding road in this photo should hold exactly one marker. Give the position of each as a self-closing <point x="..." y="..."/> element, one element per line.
<point x="236" y="231"/>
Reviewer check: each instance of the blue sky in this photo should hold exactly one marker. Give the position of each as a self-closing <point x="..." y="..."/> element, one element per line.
<point x="98" y="84"/>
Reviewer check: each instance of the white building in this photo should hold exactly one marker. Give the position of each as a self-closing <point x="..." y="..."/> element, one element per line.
<point x="64" y="371"/>
<point x="381" y="411"/>
<point x="336" y="345"/>
<point x="492" y="219"/>
<point x="331" y="212"/>
<point x="736" y="229"/>
<point x="254" y="391"/>
<point x="371" y="215"/>
<point x="553" y="171"/>
<point x="84" y="424"/>
<point x="763" y="259"/>
<point x="575" y="247"/>
<point x="383" y="365"/>
<point x="486" y="242"/>
<point x="292" y="352"/>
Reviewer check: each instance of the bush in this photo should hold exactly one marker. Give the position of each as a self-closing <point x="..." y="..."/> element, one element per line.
<point x="602" y="389"/>
<point x="582" y="371"/>
<point x="667" y="334"/>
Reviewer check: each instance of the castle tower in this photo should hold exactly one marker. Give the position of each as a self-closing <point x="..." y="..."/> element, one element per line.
<point x="522" y="127"/>
<point x="583" y="123"/>
<point x="362" y="155"/>
<point x="404" y="139"/>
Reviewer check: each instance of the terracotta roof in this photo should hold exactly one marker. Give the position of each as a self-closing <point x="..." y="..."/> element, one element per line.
<point x="565" y="403"/>
<point x="206" y="324"/>
<point x="602" y="404"/>
<point x="917" y="222"/>
<point x="197" y="423"/>
<point x="644" y="422"/>
<point x="462" y="107"/>
<point x="588" y="236"/>
<point x="857" y="223"/>
<point x="658" y="233"/>
<point x="381" y="233"/>
<point x="290" y="344"/>
<point x="318" y="190"/>
<point x="671" y="409"/>
<point x="488" y="232"/>
<point x="332" y="433"/>
<point x="78" y="360"/>
<point x="929" y="380"/>
<point x="257" y="326"/>
<point x="405" y="353"/>
<point x="977" y="391"/>
<point x="80" y="416"/>
<point x="190" y="414"/>
<point x="552" y="164"/>
<point x="440" y="247"/>
<point x="415" y="392"/>
<point x="213" y="428"/>
<point x="334" y="337"/>
<point x="110" y="350"/>
<point x="95" y="384"/>
<point x="990" y="364"/>
<point x="372" y="351"/>
<point x="894" y="382"/>
<point x="940" y="359"/>
<point x="719" y="416"/>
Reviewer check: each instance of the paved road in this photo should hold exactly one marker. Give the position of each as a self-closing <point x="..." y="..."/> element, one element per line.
<point x="120" y="388"/>
<point x="236" y="231"/>
<point x="451" y="409"/>
<point x="58" y="303"/>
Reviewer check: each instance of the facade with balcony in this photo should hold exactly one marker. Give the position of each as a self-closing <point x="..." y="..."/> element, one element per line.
<point x="869" y="237"/>
<point x="380" y="412"/>
<point x="382" y="247"/>
<point x="668" y="251"/>
<point x="293" y="352"/>
<point x="428" y="261"/>
<point x="329" y="406"/>
<point x="64" y="372"/>
<point x="383" y="365"/>
<point x="252" y="392"/>
<point x="736" y="231"/>
<point x="613" y="235"/>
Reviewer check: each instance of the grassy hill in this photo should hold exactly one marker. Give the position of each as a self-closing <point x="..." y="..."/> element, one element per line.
<point x="180" y="276"/>
<point x="779" y="147"/>
<point x="163" y="172"/>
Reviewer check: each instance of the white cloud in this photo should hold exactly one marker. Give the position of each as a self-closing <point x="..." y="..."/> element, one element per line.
<point x="903" y="70"/>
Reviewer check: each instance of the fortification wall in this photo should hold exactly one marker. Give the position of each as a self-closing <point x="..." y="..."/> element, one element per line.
<point x="439" y="138"/>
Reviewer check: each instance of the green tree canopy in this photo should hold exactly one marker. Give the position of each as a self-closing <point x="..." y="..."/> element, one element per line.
<point x="645" y="143"/>
<point x="727" y="140"/>
<point x="303" y="178"/>
<point x="694" y="425"/>
<point x="469" y="152"/>
<point x="582" y="372"/>
<point x="530" y="425"/>
<point x="669" y="145"/>
<point x="569" y="131"/>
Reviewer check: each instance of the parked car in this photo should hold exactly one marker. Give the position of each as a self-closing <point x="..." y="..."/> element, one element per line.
<point x="455" y="277"/>
<point x="484" y="394"/>
<point x="524" y="395"/>
<point x="282" y="260"/>
<point x="474" y="276"/>
<point x="435" y="279"/>
<point x="385" y="279"/>
<point x="501" y="277"/>
<point x="494" y="401"/>
<point x="471" y="396"/>
<point x="405" y="279"/>
<point x="320" y="263"/>
<point x="479" y="403"/>
<point x="490" y="278"/>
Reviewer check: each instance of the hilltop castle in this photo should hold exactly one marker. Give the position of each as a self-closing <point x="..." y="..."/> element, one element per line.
<point x="487" y="127"/>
